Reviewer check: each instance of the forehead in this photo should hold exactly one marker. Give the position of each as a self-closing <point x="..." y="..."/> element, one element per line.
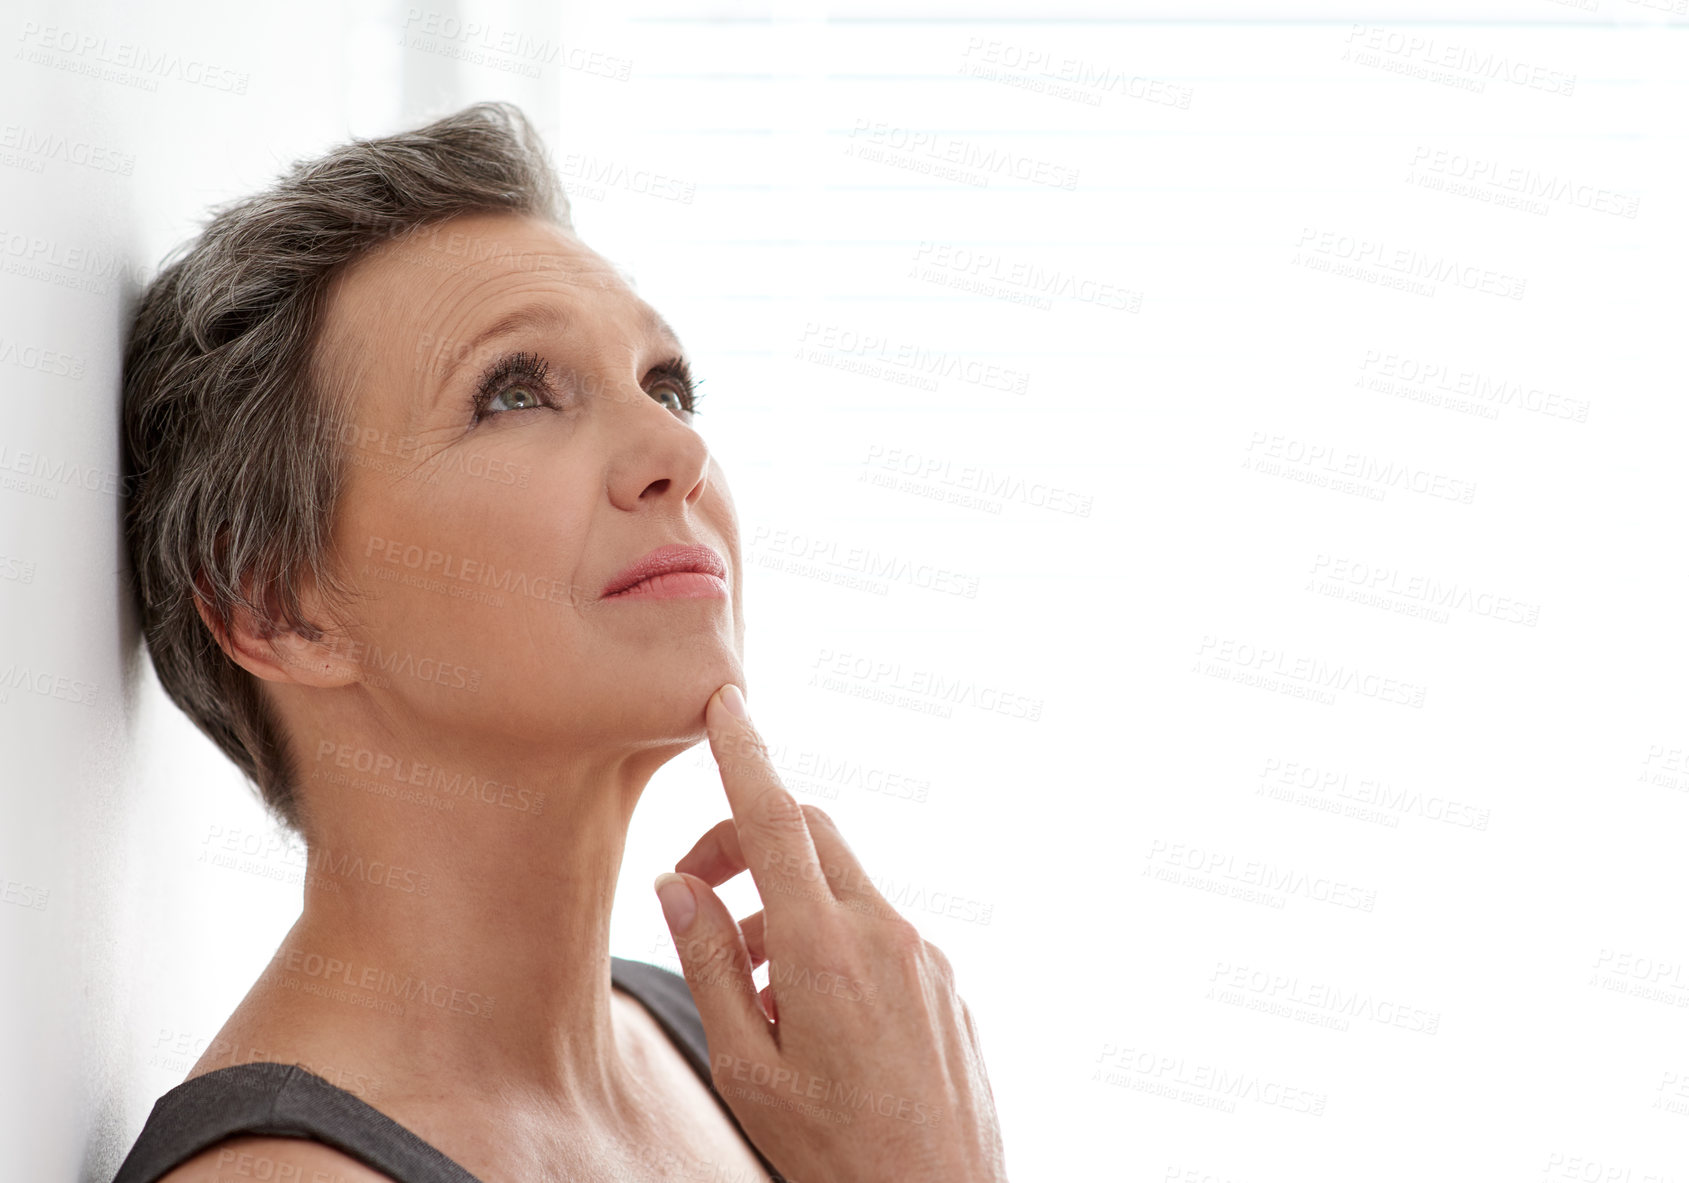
<point x="448" y="282"/>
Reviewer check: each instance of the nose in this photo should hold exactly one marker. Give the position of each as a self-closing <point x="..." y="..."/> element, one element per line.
<point x="656" y="458"/>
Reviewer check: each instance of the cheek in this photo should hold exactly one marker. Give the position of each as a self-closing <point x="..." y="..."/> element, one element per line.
<point x="471" y="572"/>
<point x="721" y="514"/>
<point x="726" y="521"/>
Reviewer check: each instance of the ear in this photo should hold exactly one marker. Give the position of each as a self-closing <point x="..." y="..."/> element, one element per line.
<point x="283" y="656"/>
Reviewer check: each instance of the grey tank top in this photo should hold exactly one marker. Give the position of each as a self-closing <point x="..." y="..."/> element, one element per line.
<point x="284" y="1100"/>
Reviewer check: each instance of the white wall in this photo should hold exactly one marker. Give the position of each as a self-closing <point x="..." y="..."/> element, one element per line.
<point x="1165" y="616"/>
<point x="118" y="130"/>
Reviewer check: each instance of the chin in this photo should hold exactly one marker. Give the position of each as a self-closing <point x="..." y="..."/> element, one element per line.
<point x="676" y="713"/>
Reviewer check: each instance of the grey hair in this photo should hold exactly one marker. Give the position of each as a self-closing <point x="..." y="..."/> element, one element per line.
<point x="231" y="480"/>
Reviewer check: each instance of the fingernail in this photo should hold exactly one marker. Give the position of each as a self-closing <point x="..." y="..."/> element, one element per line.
<point x="678" y="905"/>
<point x="734" y="701"/>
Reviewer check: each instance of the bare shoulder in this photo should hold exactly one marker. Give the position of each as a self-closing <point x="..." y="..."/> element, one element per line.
<point x="236" y="1160"/>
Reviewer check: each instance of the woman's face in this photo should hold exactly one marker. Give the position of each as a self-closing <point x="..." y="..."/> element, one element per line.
<point x="519" y="434"/>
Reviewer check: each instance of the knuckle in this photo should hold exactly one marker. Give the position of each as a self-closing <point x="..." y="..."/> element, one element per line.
<point x="939" y="962"/>
<point x="905" y="939"/>
<point x="832" y="931"/>
<point x="697" y="950"/>
<point x="777" y="812"/>
<point x="746" y="748"/>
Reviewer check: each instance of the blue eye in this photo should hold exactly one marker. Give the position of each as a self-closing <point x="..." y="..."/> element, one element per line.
<point x="674" y="379"/>
<point x="520" y="382"/>
<point x="522" y="376"/>
<point x="524" y="397"/>
<point x="670" y="397"/>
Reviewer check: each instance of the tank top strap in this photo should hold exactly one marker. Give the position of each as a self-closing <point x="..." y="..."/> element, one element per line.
<point x="264" y="1099"/>
<point x="667" y="996"/>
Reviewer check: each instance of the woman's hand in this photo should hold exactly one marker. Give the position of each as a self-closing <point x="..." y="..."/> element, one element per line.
<point x="858" y="1063"/>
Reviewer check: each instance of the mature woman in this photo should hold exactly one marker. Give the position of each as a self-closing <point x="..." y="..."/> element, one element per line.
<point x="428" y="542"/>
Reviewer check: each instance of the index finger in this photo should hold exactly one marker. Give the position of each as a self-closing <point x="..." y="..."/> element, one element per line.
<point x="773" y="832"/>
<point x="717" y="857"/>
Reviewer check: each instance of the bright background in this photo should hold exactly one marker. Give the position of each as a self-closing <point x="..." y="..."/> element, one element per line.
<point x="1467" y="959"/>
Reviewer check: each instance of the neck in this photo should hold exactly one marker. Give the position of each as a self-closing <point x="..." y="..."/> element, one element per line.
<point x="462" y="920"/>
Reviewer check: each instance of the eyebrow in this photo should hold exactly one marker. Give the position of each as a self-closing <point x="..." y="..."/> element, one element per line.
<point x="540" y="315"/>
<point x="529" y="316"/>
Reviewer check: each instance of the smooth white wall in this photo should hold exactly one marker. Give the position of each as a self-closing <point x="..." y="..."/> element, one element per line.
<point x="1546" y="945"/>
<point x="119" y="128"/>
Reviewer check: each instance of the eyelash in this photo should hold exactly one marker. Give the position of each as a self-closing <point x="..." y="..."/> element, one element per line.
<point x="530" y="369"/>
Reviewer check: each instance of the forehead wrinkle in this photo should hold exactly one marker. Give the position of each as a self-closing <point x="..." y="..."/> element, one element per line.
<point x="542" y="314"/>
<point x="458" y="289"/>
<point x="536" y="314"/>
<point x="660" y="327"/>
<point x="457" y="303"/>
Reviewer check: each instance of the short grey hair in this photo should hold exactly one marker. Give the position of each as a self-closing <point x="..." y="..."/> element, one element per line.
<point x="231" y="481"/>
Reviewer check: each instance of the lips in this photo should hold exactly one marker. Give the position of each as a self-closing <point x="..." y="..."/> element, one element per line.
<point x="666" y="560"/>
